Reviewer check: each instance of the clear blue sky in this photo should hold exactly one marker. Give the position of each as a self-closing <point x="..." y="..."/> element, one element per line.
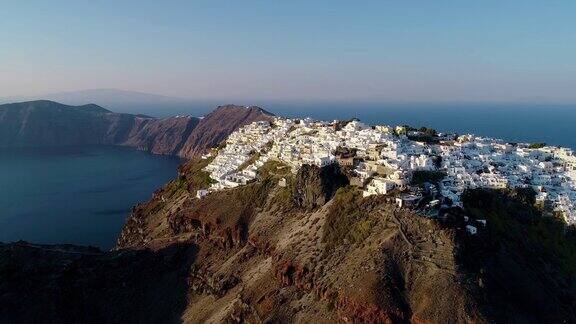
<point x="433" y="51"/>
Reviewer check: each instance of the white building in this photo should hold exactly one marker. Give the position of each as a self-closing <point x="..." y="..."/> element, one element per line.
<point x="469" y="161"/>
<point x="378" y="186"/>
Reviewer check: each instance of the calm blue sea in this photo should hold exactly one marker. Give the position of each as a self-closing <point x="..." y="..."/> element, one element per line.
<point x="79" y="195"/>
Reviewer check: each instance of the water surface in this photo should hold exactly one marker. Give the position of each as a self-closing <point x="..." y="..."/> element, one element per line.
<point x="79" y="195"/>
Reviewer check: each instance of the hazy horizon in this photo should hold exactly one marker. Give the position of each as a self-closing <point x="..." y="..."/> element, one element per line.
<point x="100" y="92"/>
<point x="494" y="51"/>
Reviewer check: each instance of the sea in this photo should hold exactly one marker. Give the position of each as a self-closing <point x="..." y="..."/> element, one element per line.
<point x="77" y="195"/>
<point x="82" y="195"/>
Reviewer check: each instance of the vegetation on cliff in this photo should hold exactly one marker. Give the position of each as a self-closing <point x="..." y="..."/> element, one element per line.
<point x="193" y="175"/>
<point x="526" y="258"/>
<point x="536" y="145"/>
<point x="346" y="220"/>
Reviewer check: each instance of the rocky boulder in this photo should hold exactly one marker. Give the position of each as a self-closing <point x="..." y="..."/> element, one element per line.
<point x="314" y="186"/>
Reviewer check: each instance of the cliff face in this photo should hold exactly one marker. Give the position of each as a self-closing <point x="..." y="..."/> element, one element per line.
<point x="315" y="186"/>
<point x="217" y="125"/>
<point x="161" y="136"/>
<point x="47" y="123"/>
<point x="316" y="251"/>
<point x="313" y="251"/>
<point x="44" y="123"/>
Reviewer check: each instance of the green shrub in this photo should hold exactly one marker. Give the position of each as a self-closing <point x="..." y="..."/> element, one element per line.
<point x="283" y="200"/>
<point x="275" y="169"/>
<point x="255" y="156"/>
<point x="195" y="175"/>
<point x="536" y="145"/>
<point x="346" y="219"/>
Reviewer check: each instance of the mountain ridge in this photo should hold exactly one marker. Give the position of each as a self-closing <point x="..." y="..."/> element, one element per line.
<point x="48" y="123"/>
<point x="101" y="95"/>
<point x="125" y="101"/>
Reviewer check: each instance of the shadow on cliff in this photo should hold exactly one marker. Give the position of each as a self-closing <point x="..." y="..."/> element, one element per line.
<point x="64" y="284"/>
<point x="523" y="261"/>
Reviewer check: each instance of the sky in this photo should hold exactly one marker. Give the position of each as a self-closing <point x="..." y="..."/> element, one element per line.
<point x="388" y="51"/>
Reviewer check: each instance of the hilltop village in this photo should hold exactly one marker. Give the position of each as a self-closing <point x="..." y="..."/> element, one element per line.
<point x="412" y="163"/>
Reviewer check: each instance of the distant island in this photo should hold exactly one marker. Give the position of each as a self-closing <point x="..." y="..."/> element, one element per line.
<point x="274" y="219"/>
<point x="122" y="101"/>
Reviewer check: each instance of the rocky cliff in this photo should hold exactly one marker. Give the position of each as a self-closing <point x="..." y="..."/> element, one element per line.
<point x="313" y="251"/>
<point x="47" y="123"/>
<point x="160" y="136"/>
<point x="43" y="123"/>
<point x="217" y="125"/>
<point x="257" y="254"/>
<point x="316" y="251"/>
<point x="315" y="186"/>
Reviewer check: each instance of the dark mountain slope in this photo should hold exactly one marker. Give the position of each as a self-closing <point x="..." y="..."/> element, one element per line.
<point x="47" y="123"/>
<point x="525" y="261"/>
<point x="68" y="284"/>
<point x="44" y="123"/>
<point x="161" y="136"/>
